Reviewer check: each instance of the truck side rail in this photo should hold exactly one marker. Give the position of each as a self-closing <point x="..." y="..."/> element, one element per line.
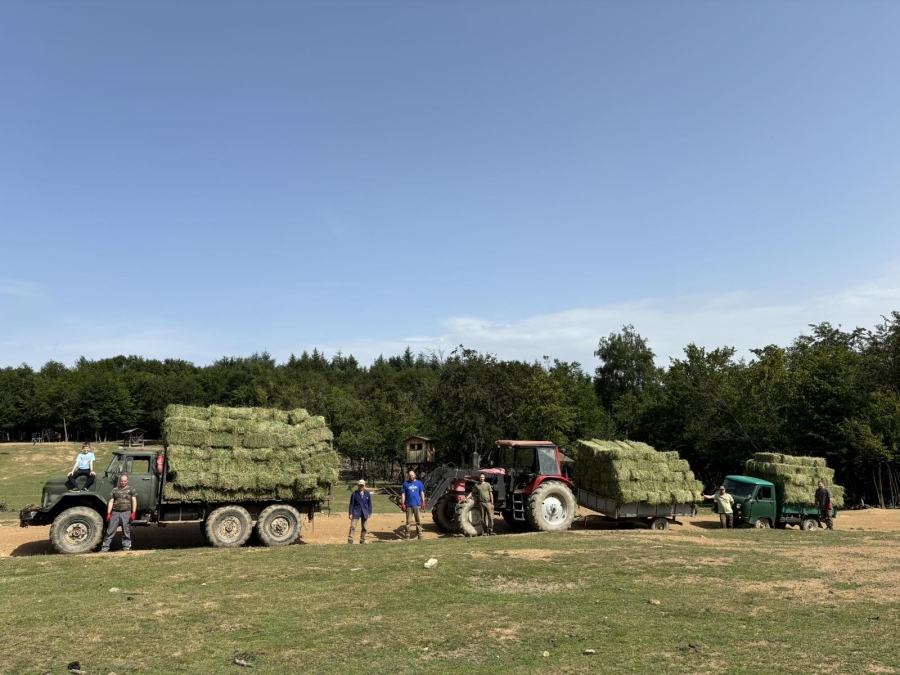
<point x="610" y="508"/>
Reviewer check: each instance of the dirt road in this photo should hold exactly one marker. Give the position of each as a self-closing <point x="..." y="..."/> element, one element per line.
<point x="384" y="528"/>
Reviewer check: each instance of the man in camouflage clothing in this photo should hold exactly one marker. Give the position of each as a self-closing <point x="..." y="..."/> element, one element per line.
<point x="121" y="510"/>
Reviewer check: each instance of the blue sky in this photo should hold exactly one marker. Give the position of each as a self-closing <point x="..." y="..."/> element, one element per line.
<point x="195" y="180"/>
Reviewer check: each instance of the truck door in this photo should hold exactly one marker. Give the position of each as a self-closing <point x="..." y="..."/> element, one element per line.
<point x="142" y="481"/>
<point x="765" y="504"/>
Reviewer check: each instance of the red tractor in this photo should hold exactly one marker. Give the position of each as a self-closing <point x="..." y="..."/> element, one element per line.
<point x="530" y="490"/>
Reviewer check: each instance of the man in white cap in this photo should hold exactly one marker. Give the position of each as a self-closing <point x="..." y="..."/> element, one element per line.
<point x="360" y="510"/>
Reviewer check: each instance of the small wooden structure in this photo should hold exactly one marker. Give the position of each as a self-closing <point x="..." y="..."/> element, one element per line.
<point x="134" y="438"/>
<point x="419" y="450"/>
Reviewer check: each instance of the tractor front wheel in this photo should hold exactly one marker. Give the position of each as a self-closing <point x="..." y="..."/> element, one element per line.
<point x="551" y="507"/>
<point x="443" y="513"/>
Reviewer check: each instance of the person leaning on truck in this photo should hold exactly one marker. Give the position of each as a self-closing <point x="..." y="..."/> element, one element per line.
<point x="84" y="466"/>
<point x="120" y="510"/>
<point x="412" y="500"/>
<point x="483" y="495"/>
<point x="825" y="504"/>
<point x="724" y="507"/>
<point x="360" y="511"/>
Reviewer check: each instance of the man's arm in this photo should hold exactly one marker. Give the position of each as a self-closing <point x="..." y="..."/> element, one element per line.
<point x="133" y="506"/>
<point x="109" y="509"/>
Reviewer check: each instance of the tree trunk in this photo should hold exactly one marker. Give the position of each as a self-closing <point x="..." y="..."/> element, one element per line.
<point x="65" y="430"/>
<point x="880" y="489"/>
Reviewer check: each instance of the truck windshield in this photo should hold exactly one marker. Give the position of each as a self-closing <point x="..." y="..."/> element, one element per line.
<point x="115" y="465"/>
<point x="736" y="489"/>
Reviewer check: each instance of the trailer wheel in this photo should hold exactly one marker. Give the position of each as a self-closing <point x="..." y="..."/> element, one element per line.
<point x="279" y="525"/>
<point x="762" y="524"/>
<point x="659" y="524"/>
<point x="443" y="513"/>
<point x="77" y="530"/>
<point x="809" y="524"/>
<point x="551" y="508"/>
<point x="228" y="526"/>
<point x="470" y="521"/>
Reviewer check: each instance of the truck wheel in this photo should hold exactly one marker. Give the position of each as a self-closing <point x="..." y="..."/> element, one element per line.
<point x="659" y="524"/>
<point x="77" y="530"/>
<point x="444" y="515"/>
<point x="470" y="522"/>
<point x="551" y="508"/>
<point x="809" y="524"/>
<point x="762" y="524"/>
<point x="279" y="525"/>
<point x="228" y="526"/>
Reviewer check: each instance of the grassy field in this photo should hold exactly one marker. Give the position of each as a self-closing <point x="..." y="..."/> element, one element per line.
<point x="691" y="602"/>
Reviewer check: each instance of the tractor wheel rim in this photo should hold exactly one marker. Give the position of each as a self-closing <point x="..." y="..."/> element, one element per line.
<point x="553" y="510"/>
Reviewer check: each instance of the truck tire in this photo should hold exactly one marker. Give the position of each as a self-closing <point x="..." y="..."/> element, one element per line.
<point x="659" y="524"/>
<point x="444" y="515"/>
<point x="762" y="524"/>
<point x="809" y="524"/>
<point x="551" y="507"/>
<point x="77" y="530"/>
<point x="228" y="526"/>
<point x="470" y="523"/>
<point x="279" y="525"/>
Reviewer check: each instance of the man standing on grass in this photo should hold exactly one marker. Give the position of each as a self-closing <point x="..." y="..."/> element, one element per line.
<point x="84" y="466"/>
<point x="825" y="504"/>
<point x="360" y="511"/>
<point x="724" y="507"/>
<point x="121" y="510"/>
<point x="483" y="495"/>
<point x="412" y="500"/>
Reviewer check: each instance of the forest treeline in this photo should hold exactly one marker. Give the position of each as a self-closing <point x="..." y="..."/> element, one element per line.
<point x="831" y="393"/>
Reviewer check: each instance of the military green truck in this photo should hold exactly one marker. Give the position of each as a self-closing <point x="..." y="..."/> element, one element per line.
<point x="760" y="504"/>
<point x="76" y="518"/>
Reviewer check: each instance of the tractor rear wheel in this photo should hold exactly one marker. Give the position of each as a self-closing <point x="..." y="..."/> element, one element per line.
<point x="551" y="507"/>
<point x="229" y="526"/>
<point x="279" y="525"/>
<point x="77" y="530"/>
<point x="443" y="513"/>
<point x="470" y="521"/>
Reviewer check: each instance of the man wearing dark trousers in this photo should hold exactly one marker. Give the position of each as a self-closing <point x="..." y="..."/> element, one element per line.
<point x="825" y="504"/>
<point x="412" y="500"/>
<point x="120" y="511"/>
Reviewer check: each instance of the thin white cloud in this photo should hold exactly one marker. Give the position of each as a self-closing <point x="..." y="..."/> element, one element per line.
<point x="741" y="320"/>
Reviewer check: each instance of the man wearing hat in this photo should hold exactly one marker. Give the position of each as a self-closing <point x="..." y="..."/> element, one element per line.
<point x="360" y="510"/>
<point x="724" y="506"/>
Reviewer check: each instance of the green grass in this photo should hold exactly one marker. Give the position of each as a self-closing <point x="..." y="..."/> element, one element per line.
<point x="729" y="602"/>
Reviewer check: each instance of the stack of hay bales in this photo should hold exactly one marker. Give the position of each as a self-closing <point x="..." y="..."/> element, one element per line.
<point x="247" y="454"/>
<point x="629" y="473"/>
<point x="799" y="475"/>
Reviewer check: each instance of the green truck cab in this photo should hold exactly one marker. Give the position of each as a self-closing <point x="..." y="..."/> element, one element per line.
<point x="76" y="518"/>
<point x="760" y="503"/>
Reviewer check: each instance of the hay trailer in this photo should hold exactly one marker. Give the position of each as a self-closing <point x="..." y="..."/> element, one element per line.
<point x="655" y="516"/>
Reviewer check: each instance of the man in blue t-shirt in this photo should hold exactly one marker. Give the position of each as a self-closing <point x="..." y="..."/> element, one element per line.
<point x="412" y="500"/>
<point x="84" y="466"/>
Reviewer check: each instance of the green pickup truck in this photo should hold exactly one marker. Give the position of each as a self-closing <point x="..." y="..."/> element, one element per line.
<point x="760" y="504"/>
<point x="76" y="518"/>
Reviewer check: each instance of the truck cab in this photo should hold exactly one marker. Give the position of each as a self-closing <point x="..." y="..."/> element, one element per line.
<point x="56" y="497"/>
<point x="755" y="500"/>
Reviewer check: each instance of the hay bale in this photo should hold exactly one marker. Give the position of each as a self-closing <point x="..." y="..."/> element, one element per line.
<point x="798" y="475"/>
<point x="629" y="472"/>
<point x="248" y="454"/>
